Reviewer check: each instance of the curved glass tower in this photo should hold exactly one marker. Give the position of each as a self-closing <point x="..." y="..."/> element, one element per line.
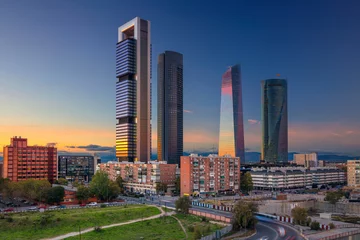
<point x="274" y="121"/>
<point x="231" y="137"/>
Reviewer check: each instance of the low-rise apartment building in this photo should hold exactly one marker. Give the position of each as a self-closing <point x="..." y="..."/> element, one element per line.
<point x="142" y="177"/>
<point x="278" y="178"/>
<point x="210" y="174"/>
<point x="353" y="173"/>
<point x="306" y="160"/>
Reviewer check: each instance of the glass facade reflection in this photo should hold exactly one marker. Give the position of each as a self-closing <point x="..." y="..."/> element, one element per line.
<point x="231" y="139"/>
<point x="79" y="168"/>
<point x="274" y="121"/>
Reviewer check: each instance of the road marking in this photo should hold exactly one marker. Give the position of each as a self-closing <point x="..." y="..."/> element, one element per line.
<point x="277" y="235"/>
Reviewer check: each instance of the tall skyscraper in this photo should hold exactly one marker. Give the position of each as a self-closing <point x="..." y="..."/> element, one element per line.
<point x="274" y="121"/>
<point x="133" y="91"/>
<point x="231" y="139"/>
<point x="170" y="107"/>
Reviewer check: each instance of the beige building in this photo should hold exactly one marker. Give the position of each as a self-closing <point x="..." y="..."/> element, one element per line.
<point x="353" y="173"/>
<point x="306" y="160"/>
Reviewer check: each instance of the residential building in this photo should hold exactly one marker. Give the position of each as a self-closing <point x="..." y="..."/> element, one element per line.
<point x="22" y="162"/>
<point x="142" y="177"/>
<point x="200" y="174"/>
<point x="274" y="113"/>
<point x="76" y="167"/>
<point x="133" y="91"/>
<point x="231" y="136"/>
<point x="321" y="163"/>
<point x="353" y="173"/>
<point x="306" y="160"/>
<point x="1" y="168"/>
<point x="170" y="107"/>
<point x="280" y="178"/>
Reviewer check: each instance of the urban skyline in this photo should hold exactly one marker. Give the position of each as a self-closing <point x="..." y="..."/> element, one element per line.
<point x="37" y="112"/>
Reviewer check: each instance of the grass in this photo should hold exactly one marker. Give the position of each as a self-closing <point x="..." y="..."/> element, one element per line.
<point x="167" y="209"/>
<point x="159" y="228"/>
<point x="191" y="222"/>
<point x="35" y="225"/>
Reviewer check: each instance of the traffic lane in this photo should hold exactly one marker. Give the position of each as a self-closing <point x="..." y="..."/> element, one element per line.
<point x="262" y="231"/>
<point x="290" y="233"/>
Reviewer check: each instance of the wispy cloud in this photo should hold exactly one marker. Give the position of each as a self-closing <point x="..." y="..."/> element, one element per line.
<point x="187" y="111"/>
<point x="93" y="148"/>
<point x="253" y="121"/>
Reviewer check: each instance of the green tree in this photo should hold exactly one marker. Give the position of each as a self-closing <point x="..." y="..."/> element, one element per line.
<point x="177" y="185"/>
<point x="244" y="215"/>
<point x="102" y="187"/>
<point x="120" y="183"/>
<point x="300" y="215"/>
<point x="55" y="195"/>
<point x="334" y="197"/>
<point x="183" y="204"/>
<point x="161" y="187"/>
<point x="35" y="190"/>
<point x="197" y="233"/>
<point x="246" y="183"/>
<point x="82" y="193"/>
<point x="315" y="225"/>
<point x="62" y="181"/>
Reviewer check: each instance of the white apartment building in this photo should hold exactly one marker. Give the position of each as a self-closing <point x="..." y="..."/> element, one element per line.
<point x="276" y="178"/>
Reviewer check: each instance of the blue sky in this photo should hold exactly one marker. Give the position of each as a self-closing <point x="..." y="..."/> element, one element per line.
<point x="57" y="67"/>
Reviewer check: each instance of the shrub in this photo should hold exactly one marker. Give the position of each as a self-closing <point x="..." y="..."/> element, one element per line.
<point x="197" y="233"/>
<point x="2" y="216"/>
<point x="58" y="219"/>
<point x="204" y="219"/>
<point x="191" y="228"/>
<point x="308" y="222"/>
<point x="9" y="219"/>
<point x="332" y="225"/>
<point x="102" y="205"/>
<point x="97" y="229"/>
<point x="315" y="225"/>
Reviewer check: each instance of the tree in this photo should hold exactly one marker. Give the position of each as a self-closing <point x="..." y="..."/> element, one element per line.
<point x="62" y="181"/>
<point x="55" y="195"/>
<point x="183" y="204"/>
<point x="197" y="233"/>
<point x="334" y="197"/>
<point x="120" y="183"/>
<point x="315" y="225"/>
<point x="82" y="193"/>
<point x="102" y="187"/>
<point x="177" y="185"/>
<point x="244" y="215"/>
<point x="35" y="190"/>
<point x="300" y="215"/>
<point x="161" y="187"/>
<point x="246" y="183"/>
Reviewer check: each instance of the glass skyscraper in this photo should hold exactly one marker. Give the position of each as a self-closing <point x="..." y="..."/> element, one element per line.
<point x="274" y="121"/>
<point x="133" y="91"/>
<point x="170" y="107"/>
<point x="231" y="139"/>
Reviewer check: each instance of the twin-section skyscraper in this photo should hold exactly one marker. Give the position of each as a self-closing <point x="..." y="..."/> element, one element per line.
<point x="133" y="104"/>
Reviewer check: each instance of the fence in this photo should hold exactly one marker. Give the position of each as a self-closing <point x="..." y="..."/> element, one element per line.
<point x="210" y="215"/>
<point x="212" y="206"/>
<point x="218" y="234"/>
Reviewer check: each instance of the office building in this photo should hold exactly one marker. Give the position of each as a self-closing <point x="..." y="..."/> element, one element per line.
<point x="133" y="91"/>
<point x="353" y="173"/>
<point x="1" y="168"/>
<point x="170" y="107"/>
<point x="142" y="177"/>
<point x="210" y="174"/>
<point x="79" y="168"/>
<point x="306" y="160"/>
<point x="231" y="137"/>
<point x="22" y="162"/>
<point x="274" y="147"/>
<point x="280" y="178"/>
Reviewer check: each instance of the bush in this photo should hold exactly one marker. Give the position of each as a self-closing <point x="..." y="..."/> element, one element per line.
<point x="191" y="228"/>
<point x="332" y="225"/>
<point x="204" y="219"/>
<point x="102" y="205"/>
<point x="9" y="219"/>
<point x="315" y="225"/>
<point x="308" y="222"/>
<point x="2" y="216"/>
<point x="197" y="233"/>
<point x="97" y="229"/>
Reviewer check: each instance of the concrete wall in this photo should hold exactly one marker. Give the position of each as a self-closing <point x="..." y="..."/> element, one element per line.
<point x="211" y="216"/>
<point x="349" y="208"/>
<point x="282" y="208"/>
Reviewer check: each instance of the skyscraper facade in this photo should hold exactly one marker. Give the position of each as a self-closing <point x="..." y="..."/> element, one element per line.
<point x="170" y="107"/>
<point x="231" y="139"/>
<point x="274" y="121"/>
<point x="133" y="91"/>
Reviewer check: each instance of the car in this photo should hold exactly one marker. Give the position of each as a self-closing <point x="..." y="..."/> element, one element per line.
<point x="33" y="208"/>
<point x="82" y="205"/>
<point x="53" y="207"/>
<point x="281" y="231"/>
<point x="62" y="206"/>
<point x="92" y="204"/>
<point x="9" y="210"/>
<point x="264" y="238"/>
<point x="43" y="206"/>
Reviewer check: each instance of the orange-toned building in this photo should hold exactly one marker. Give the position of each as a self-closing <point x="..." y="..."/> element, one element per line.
<point x="23" y="162"/>
<point x="200" y="174"/>
<point x="142" y="177"/>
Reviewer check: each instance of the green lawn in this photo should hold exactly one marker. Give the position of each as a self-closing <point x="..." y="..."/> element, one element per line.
<point x="167" y="209"/>
<point x="35" y="225"/>
<point x="165" y="228"/>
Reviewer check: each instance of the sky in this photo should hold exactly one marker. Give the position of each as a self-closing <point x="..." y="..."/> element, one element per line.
<point x="57" y="68"/>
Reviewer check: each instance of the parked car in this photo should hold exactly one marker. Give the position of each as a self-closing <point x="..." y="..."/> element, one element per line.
<point x="62" y="206"/>
<point x="33" y="208"/>
<point x="43" y="206"/>
<point x="83" y="205"/>
<point x="9" y="210"/>
<point x="92" y="204"/>
<point x="53" y="207"/>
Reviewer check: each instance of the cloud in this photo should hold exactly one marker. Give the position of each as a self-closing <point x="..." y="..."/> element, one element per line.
<point x="253" y="121"/>
<point x="187" y="111"/>
<point x="349" y="132"/>
<point x="93" y="148"/>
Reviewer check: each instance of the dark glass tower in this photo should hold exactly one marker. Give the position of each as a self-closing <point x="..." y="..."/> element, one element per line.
<point x="170" y="107"/>
<point x="274" y="121"/>
<point x="231" y="139"/>
<point x="133" y="91"/>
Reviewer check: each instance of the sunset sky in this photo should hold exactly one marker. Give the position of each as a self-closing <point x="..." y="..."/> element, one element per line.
<point x="57" y="68"/>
